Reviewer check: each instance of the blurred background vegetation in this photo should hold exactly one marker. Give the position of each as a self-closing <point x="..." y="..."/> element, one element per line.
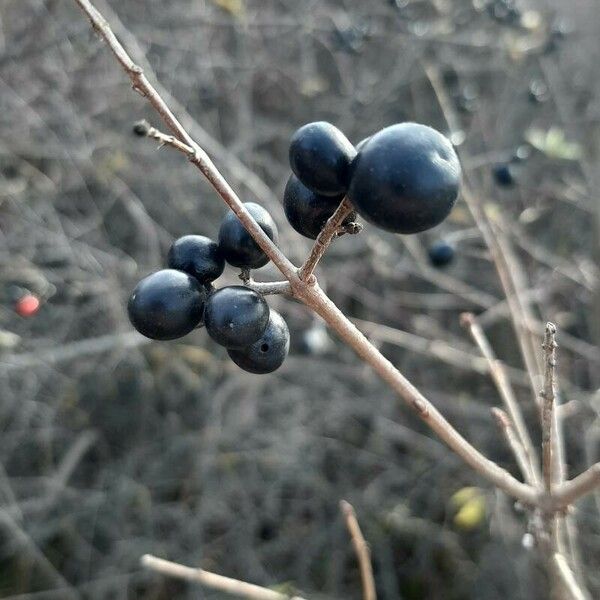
<point x="112" y="446"/>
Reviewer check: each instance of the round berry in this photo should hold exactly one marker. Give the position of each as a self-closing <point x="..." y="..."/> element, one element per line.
<point x="27" y="305"/>
<point x="236" y="316"/>
<point x="268" y="352"/>
<point x="504" y="175"/>
<point x="237" y="246"/>
<point x="306" y="211"/>
<point x="197" y="256"/>
<point x="405" y="179"/>
<point x="320" y="156"/>
<point x="167" y="305"/>
<point x="441" y="253"/>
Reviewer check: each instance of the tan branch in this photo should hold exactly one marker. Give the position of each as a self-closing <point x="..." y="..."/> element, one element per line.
<point x="361" y="549"/>
<point x="567" y="578"/>
<point x="213" y="580"/>
<point x="502" y="382"/>
<point x="325" y="238"/>
<point x="548" y="396"/>
<point x="579" y="486"/>
<point x="513" y="442"/>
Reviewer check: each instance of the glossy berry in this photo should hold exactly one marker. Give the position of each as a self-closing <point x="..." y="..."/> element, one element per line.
<point x="197" y="256"/>
<point x="320" y="156"/>
<point x="236" y="244"/>
<point x="441" y="253"/>
<point x="306" y="211"/>
<point x="504" y="175"/>
<point x="236" y="316"/>
<point x="27" y="305"/>
<point x="167" y="305"/>
<point x="405" y="179"/>
<point x="267" y="353"/>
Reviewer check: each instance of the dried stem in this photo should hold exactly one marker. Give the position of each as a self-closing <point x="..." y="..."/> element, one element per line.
<point x="548" y="396"/>
<point x="567" y="578"/>
<point x="502" y="382"/>
<point x="212" y="580"/>
<point x="583" y="484"/>
<point x="361" y="548"/>
<point x="325" y="237"/>
<point x="514" y="443"/>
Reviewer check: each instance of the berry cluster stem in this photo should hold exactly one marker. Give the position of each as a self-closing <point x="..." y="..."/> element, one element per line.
<point x="325" y="238"/>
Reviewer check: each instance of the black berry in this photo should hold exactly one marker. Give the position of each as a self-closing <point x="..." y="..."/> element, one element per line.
<point x="306" y="211"/>
<point x="236" y="316"/>
<point x="320" y="156"/>
<point x="267" y="353"/>
<point x="441" y="253"/>
<point x="198" y="256"/>
<point x="504" y="175"/>
<point x="167" y="305"/>
<point x="405" y="179"/>
<point x="236" y="244"/>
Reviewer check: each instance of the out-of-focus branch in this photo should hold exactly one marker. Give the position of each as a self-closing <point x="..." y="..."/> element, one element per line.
<point x="567" y="578"/>
<point x="502" y="382"/>
<point x="548" y="397"/>
<point x="579" y="486"/>
<point x="213" y="580"/>
<point x="513" y="442"/>
<point x="361" y="548"/>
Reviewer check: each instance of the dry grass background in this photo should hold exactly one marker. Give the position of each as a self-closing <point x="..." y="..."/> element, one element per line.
<point x="111" y="447"/>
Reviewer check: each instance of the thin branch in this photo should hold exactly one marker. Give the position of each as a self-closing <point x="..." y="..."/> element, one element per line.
<point x="570" y="491"/>
<point x="270" y="288"/>
<point x="502" y="382"/>
<point x="567" y="578"/>
<point x="184" y="143"/>
<point x="212" y="580"/>
<point x="309" y="292"/>
<point x="325" y="238"/>
<point x="513" y="442"/>
<point x="361" y="548"/>
<point x="548" y="396"/>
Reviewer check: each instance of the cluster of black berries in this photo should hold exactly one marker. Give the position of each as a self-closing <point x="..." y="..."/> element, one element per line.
<point x="172" y="302"/>
<point x="403" y="179"/>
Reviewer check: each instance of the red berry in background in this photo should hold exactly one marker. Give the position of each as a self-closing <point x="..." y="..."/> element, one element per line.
<point x="27" y="305"/>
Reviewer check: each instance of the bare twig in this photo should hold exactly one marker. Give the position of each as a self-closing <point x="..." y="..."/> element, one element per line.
<point x="325" y="238"/>
<point x="583" y="484"/>
<point x="548" y="396"/>
<point x="308" y="292"/>
<point x="514" y="443"/>
<point x="184" y="143"/>
<point x="498" y="373"/>
<point x="212" y="580"/>
<point x="361" y="548"/>
<point x="567" y="578"/>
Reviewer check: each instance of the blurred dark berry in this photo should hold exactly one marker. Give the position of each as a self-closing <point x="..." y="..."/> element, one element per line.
<point x="504" y="175"/>
<point x="441" y="253"/>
